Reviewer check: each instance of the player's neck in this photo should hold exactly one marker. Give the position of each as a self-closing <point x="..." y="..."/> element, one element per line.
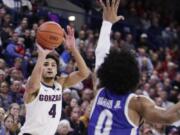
<point x="48" y="82"/>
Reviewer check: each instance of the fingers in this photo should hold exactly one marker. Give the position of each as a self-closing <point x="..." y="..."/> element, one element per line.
<point x="65" y="34"/>
<point x="70" y="31"/>
<point x="113" y="4"/>
<point x="38" y="46"/>
<point x="108" y="4"/>
<point x="117" y="5"/>
<point x="102" y="4"/>
<point x="121" y="17"/>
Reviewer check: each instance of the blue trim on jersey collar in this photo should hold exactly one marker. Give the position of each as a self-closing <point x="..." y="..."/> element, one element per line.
<point x="52" y="87"/>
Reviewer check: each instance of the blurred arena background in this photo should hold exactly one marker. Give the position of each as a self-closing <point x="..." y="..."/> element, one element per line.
<point x="151" y="29"/>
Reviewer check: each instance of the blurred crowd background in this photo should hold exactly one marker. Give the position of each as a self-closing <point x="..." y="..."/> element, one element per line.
<point x="151" y="30"/>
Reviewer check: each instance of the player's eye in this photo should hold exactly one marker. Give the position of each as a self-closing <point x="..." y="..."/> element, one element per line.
<point x="46" y="64"/>
<point x="53" y="65"/>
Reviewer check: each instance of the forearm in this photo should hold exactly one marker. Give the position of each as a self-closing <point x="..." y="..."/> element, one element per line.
<point x="82" y="67"/>
<point x="104" y="43"/>
<point x="173" y="113"/>
<point x="33" y="83"/>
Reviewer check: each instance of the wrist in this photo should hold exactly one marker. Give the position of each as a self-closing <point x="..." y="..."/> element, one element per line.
<point x="42" y="55"/>
<point x="73" y="49"/>
<point x="107" y="22"/>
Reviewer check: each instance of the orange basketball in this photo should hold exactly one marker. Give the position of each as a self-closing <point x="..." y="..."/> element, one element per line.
<point x="50" y="35"/>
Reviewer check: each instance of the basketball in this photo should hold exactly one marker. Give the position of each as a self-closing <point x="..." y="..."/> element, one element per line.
<point x="49" y="35"/>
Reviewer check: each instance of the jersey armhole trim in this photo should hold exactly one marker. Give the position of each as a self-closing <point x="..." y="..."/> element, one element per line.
<point x="37" y="93"/>
<point x="94" y="104"/>
<point x="126" y="110"/>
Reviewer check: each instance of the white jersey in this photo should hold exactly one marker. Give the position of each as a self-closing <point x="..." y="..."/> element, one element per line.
<point x="44" y="112"/>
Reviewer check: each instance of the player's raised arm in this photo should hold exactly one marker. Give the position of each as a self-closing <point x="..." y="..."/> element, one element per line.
<point x="109" y="18"/>
<point x="154" y="114"/>
<point x="33" y="84"/>
<point x="83" y="71"/>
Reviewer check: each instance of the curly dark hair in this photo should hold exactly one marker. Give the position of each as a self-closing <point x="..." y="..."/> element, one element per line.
<point x="120" y="72"/>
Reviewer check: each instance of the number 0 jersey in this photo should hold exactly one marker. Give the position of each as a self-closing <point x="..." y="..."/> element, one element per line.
<point x="44" y="112"/>
<point x="109" y="115"/>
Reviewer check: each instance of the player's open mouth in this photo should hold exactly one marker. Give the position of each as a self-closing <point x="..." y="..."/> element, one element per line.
<point x="49" y="72"/>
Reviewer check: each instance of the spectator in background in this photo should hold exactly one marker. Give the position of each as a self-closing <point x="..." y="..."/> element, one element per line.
<point x="15" y="92"/>
<point x="2" y="14"/>
<point x="14" y="110"/>
<point x="77" y="125"/>
<point x="129" y="42"/>
<point x="22" y="27"/>
<point x="17" y="65"/>
<point x="176" y="82"/>
<point x="2" y="129"/>
<point x="11" y="52"/>
<point x="5" y="98"/>
<point x="82" y="36"/>
<point x="2" y="76"/>
<point x="6" y="34"/>
<point x="28" y="40"/>
<point x="7" y="21"/>
<point x="66" y="103"/>
<point x="87" y="95"/>
<point x="89" y="57"/>
<point x="64" y="128"/>
<point x="2" y="64"/>
<point x="9" y="125"/>
<point x="22" y="114"/>
<point x="66" y="97"/>
<point x="85" y="116"/>
<point x="14" y="75"/>
<point x="164" y="96"/>
<point x="145" y="63"/>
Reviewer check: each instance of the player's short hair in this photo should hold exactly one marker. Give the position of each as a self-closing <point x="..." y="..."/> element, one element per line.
<point x="55" y="57"/>
<point x="120" y="72"/>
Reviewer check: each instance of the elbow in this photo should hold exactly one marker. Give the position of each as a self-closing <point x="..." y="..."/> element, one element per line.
<point x="85" y="74"/>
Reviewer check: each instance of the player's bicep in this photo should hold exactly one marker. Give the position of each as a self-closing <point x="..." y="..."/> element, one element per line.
<point x="29" y="88"/>
<point x="151" y="112"/>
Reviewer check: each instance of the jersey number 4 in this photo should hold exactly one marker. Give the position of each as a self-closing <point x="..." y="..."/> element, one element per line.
<point x="52" y="111"/>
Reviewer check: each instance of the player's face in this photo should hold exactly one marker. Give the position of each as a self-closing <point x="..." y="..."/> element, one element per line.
<point x="49" y="69"/>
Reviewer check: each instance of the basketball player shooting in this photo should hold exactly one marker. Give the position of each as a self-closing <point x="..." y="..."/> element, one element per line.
<point x="43" y="95"/>
<point x="116" y="110"/>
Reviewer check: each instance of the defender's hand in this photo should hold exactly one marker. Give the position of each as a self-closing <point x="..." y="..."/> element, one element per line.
<point x="110" y="11"/>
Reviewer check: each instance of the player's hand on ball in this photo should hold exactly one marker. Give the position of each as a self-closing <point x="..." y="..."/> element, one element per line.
<point x="69" y="39"/>
<point x="42" y="50"/>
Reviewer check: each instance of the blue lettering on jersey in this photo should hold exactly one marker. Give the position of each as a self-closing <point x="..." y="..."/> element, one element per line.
<point x="109" y="115"/>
